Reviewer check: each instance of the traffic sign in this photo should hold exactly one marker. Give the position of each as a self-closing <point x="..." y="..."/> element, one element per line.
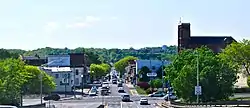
<point x="152" y="74"/>
<point x="197" y="90"/>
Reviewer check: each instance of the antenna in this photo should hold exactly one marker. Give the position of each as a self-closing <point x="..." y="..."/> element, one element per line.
<point x="180" y="20"/>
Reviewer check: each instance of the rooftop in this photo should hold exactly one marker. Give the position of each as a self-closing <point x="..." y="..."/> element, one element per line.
<point x="58" y="69"/>
<point x="210" y="39"/>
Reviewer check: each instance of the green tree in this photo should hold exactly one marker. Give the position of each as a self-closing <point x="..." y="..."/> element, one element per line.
<point x="157" y="83"/>
<point x="97" y="71"/>
<point x="12" y="78"/>
<point x="143" y="74"/>
<point x="237" y="54"/>
<point x="216" y="77"/>
<point x="106" y="67"/>
<point x="33" y="84"/>
<point x="121" y="64"/>
<point x="4" y="54"/>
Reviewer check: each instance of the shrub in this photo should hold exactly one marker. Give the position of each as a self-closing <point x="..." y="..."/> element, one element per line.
<point x="143" y="85"/>
<point x="248" y="81"/>
<point x="140" y="90"/>
<point x="148" y="91"/>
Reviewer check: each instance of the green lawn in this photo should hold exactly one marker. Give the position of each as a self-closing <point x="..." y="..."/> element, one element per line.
<point x="140" y="90"/>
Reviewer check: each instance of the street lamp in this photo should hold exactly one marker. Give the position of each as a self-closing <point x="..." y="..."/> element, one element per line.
<point x="197" y="74"/>
<point x="197" y="87"/>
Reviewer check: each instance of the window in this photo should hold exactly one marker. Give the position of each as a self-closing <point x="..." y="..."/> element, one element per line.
<point x="57" y="75"/>
<point x="77" y="72"/>
<point x="77" y="81"/>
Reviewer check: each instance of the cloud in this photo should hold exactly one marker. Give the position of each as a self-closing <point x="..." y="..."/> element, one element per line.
<point x="84" y="22"/>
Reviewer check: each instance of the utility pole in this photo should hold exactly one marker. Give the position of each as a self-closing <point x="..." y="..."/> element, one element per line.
<point x="41" y="87"/>
<point x="84" y="72"/>
<point x="162" y="78"/>
<point x="197" y="75"/>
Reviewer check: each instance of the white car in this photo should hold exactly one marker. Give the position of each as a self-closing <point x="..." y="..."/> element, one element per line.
<point x="143" y="101"/>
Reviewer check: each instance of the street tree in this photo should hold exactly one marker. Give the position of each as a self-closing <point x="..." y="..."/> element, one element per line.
<point x="33" y="84"/>
<point x="157" y="83"/>
<point x="237" y="55"/>
<point x="12" y="78"/>
<point x="216" y="77"/>
<point x="106" y="67"/>
<point x="97" y="71"/>
<point x="122" y="63"/>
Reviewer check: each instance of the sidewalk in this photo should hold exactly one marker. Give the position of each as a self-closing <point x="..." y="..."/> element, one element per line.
<point x="132" y="89"/>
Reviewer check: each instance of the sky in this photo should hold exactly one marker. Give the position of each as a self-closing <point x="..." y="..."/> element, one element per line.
<point x="32" y="24"/>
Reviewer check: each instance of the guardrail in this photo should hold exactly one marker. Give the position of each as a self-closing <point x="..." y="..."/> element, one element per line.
<point x="211" y="104"/>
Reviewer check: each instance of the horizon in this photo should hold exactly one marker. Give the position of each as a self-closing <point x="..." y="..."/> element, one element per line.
<point x="30" y="24"/>
<point x="91" y="47"/>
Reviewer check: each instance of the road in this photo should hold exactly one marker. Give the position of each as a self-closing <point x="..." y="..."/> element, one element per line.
<point x="112" y="101"/>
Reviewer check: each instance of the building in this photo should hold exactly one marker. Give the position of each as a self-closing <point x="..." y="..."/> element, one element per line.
<point x="63" y="77"/>
<point x="134" y="67"/>
<point x="76" y="63"/>
<point x="34" y="60"/>
<point x="79" y="67"/>
<point x="186" y="41"/>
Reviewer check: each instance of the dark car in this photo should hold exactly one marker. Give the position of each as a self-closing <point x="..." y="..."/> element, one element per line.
<point x="119" y="84"/>
<point x="54" y="97"/>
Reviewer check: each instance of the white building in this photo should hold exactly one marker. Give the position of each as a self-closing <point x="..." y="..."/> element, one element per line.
<point x="63" y="77"/>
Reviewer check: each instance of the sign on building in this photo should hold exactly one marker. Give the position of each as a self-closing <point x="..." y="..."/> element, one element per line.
<point x="152" y="74"/>
<point x="58" y="60"/>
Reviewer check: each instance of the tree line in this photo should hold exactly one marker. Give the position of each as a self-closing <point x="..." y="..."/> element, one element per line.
<point x="103" y="55"/>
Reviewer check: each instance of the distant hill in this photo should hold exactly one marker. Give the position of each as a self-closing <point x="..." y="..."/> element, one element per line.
<point x="106" y="55"/>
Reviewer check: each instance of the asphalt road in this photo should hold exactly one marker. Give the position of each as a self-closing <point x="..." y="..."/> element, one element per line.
<point x="113" y="100"/>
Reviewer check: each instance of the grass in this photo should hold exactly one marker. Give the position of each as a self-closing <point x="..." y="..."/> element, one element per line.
<point x="240" y="98"/>
<point x="140" y="90"/>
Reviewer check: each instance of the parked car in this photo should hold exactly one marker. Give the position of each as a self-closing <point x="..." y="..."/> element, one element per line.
<point x="143" y="101"/>
<point x="54" y="97"/>
<point x="92" y="93"/>
<point x="125" y="97"/>
<point x="157" y="94"/>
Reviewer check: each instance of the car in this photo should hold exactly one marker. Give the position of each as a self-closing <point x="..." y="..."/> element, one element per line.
<point x="125" y="97"/>
<point x="171" y="96"/>
<point x="105" y="83"/>
<point x="114" y="81"/>
<point x="157" y="94"/>
<point x="92" y="93"/>
<point x="54" y="97"/>
<point x="96" y="82"/>
<point x="119" y="85"/>
<point x="121" y="90"/>
<point x="143" y="101"/>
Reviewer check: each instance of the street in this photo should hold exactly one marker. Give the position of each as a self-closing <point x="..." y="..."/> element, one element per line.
<point x="113" y="100"/>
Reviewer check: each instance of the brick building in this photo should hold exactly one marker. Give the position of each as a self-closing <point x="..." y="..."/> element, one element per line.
<point x="186" y="41"/>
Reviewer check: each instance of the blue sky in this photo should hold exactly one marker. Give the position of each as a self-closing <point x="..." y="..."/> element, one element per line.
<point x="31" y="24"/>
